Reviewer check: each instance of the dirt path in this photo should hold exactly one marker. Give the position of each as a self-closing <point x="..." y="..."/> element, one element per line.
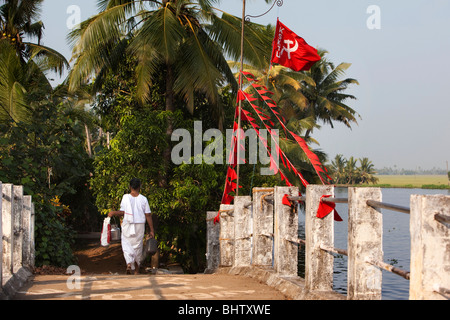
<point x="95" y="259"/>
<point x="103" y="278"/>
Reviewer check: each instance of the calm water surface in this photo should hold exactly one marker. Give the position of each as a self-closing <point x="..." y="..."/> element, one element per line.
<point x="396" y="241"/>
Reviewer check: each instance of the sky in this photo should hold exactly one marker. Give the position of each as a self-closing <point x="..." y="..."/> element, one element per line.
<point x="400" y="55"/>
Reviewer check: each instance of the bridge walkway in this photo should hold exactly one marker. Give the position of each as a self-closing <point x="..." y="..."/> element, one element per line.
<point x="147" y="287"/>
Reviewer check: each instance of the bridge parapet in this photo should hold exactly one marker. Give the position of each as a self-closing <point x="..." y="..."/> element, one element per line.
<point x="259" y="238"/>
<point x="17" y="252"/>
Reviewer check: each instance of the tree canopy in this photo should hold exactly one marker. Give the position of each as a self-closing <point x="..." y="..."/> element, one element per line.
<point x="142" y="69"/>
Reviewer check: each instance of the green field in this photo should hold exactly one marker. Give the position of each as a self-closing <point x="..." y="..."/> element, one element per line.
<point x="413" y="181"/>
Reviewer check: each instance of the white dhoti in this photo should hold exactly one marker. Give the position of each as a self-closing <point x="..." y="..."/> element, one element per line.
<point x="132" y="242"/>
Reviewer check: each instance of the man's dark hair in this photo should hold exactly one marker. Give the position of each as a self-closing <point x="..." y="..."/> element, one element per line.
<point x="135" y="184"/>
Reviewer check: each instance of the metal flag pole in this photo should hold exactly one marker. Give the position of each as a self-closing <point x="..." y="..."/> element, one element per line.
<point x="245" y="18"/>
<point x="240" y="101"/>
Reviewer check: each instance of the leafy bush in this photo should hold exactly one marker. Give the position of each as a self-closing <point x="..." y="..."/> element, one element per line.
<point x="46" y="155"/>
<point x="137" y="151"/>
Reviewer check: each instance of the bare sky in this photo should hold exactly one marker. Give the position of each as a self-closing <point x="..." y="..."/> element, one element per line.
<point x="402" y="68"/>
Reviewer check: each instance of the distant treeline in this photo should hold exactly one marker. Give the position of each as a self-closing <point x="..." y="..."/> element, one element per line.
<point x="406" y="172"/>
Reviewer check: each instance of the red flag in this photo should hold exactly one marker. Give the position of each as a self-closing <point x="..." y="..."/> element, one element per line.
<point x="325" y="209"/>
<point x="292" y="51"/>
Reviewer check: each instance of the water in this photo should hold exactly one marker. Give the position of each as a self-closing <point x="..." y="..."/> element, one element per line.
<point x="396" y="241"/>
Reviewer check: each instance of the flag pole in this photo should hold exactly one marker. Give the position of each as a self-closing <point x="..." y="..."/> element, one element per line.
<point x="240" y="101"/>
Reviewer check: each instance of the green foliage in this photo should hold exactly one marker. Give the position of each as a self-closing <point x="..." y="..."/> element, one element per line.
<point x="137" y="151"/>
<point x="46" y="155"/>
<point x="187" y="38"/>
<point x="435" y="186"/>
<point x="151" y="77"/>
<point x="18" y="24"/>
<point x="345" y="171"/>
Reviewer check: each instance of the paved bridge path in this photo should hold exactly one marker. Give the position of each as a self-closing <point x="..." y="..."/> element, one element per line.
<point x="147" y="287"/>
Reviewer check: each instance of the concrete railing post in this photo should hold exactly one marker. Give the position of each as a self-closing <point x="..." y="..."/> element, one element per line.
<point x="26" y="224"/>
<point x="212" y="242"/>
<point x="226" y="235"/>
<point x="32" y="239"/>
<point x="430" y="241"/>
<point x="262" y="228"/>
<point x="17" y="228"/>
<point x="7" y="227"/>
<point x="17" y="251"/>
<point x="1" y="237"/>
<point x="242" y="231"/>
<point x="286" y="233"/>
<point x="365" y="243"/>
<point x="318" y="232"/>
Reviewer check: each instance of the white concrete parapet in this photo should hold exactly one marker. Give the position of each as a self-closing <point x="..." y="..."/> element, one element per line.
<point x="226" y="237"/>
<point x="430" y="248"/>
<point x="318" y="232"/>
<point x="286" y="230"/>
<point x="212" y="242"/>
<point x="17" y="252"/>
<point x="263" y="236"/>
<point x="265" y="239"/>
<point x="7" y="227"/>
<point x="242" y="231"/>
<point x="365" y="243"/>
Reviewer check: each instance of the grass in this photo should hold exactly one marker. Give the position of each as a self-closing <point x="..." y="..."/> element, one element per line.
<point x="414" y="181"/>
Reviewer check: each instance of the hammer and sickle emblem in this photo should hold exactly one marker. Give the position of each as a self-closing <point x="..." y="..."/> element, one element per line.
<point x="288" y="48"/>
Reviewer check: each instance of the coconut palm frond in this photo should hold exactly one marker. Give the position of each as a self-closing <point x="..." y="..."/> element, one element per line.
<point x="53" y="60"/>
<point x="13" y="102"/>
<point x="226" y="30"/>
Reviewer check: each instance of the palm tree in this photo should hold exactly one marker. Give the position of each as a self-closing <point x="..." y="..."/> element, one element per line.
<point x="367" y="171"/>
<point x="183" y="39"/>
<point x="19" y="24"/>
<point x="338" y="168"/>
<point x="307" y="98"/>
<point x="315" y="96"/>
<point x="13" y="104"/>
<point x="22" y="63"/>
<point x="323" y="90"/>
<point x="351" y="171"/>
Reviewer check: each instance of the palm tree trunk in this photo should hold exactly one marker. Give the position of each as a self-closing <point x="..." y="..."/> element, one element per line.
<point x="88" y="141"/>
<point x="308" y="132"/>
<point x="170" y="106"/>
<point x="169" y="89"/>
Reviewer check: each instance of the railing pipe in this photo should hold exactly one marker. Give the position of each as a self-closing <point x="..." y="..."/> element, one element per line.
<point x="383" y="205"/>
<point x="442" y="218"/>
<point x="334" y="250"/>
<point x="388" y="267"/>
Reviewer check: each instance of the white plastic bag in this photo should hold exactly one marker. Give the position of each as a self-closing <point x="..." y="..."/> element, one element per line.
<point x="105" y="238"/>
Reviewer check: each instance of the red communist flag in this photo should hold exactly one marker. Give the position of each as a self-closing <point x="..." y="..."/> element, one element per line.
<point x="292" y="51"/>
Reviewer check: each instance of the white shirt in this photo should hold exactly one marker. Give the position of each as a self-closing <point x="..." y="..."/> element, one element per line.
<point x="139" y="206"/>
